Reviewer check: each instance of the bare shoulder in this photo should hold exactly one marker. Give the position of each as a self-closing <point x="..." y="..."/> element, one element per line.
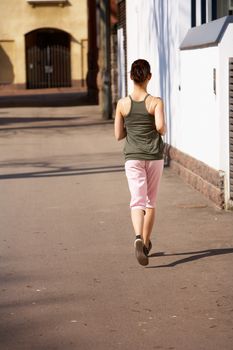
<point x="121" y="101"/>
<point x="157" y="100"/>
<point x="153" y="102"/>
<point x="124" y="100"/>
<point x="124" y="105"/>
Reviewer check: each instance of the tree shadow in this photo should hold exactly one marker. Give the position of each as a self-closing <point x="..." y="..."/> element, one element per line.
<point x="196" y="255"/>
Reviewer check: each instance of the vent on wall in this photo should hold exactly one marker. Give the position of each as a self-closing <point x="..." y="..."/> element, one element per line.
<point x="231" y="124"/>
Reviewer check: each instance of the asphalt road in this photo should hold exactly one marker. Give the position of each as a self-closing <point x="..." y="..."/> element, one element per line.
<point x="69" y="279"/>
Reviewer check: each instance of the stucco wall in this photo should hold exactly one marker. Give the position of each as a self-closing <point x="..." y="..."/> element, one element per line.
<point x="225" y="51"/>
<point x="197" y="117"/>
<point x="198" y="123"/>
<point x="19" y="18"/>
<point x="203" y="124"/>
<point x="155" y="29"/>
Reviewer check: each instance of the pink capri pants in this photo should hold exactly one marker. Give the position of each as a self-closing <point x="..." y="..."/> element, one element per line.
<point x="143" y="179"/>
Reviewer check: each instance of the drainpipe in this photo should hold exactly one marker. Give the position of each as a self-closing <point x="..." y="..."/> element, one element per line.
<point x="92" y="53"/>
<point x="105" y="96"/>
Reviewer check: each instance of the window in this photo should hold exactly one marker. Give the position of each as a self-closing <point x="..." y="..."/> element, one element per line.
<point x="203" y="11"/>
<point x="214" y="10"/>
<point x="193" y="13"/>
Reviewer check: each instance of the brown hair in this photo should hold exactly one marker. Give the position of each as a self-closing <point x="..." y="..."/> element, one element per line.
<point x="140" y="70"/>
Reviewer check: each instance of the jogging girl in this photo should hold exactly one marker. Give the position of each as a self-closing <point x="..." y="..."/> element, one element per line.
<point x="140" y="119"/>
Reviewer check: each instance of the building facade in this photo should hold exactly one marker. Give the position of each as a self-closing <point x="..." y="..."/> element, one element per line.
<point x="199" y="136"/>
<point x="43" y="43"/>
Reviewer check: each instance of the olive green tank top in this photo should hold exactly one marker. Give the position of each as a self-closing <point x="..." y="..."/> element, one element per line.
<point x="142" y="142"/>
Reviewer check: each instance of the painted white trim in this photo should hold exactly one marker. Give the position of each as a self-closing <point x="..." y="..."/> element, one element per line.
<point x="198" y="12"/>
<point x="121" y="63"/>
<point x="209" y="10"/>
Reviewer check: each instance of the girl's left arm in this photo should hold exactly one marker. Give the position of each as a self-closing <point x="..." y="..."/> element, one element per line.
<point x="119" y="128"/>
<point x="159" y="117"/>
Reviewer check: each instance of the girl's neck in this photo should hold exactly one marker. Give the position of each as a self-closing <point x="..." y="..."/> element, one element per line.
<point x="139" y="92"/>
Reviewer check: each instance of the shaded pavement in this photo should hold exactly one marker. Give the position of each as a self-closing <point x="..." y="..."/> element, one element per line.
<point x="43" y="97"/>
<point x="69" y="278"/>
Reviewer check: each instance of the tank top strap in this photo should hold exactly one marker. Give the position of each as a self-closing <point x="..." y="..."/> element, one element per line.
<point x="146" y="97"/>
<point x="139" y="101"/>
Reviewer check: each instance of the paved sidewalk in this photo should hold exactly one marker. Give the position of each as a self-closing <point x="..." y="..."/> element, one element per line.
<point x="34" y="118"/>
<point x="69" y="278"/>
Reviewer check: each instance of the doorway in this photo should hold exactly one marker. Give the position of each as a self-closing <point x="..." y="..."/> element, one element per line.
<point x="48" y="62"/>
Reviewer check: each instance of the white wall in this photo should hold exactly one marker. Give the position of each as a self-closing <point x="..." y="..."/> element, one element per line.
<point x="197" y="118"/>
<point x="203" y="124"/>
<point x="225" y="51"/>
<point x="198" y="122"/>
<point x="142" y="38"/>
<point x="155" y="29"/>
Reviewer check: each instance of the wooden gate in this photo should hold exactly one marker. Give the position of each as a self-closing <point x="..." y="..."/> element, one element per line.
<point x="48" y="59"/>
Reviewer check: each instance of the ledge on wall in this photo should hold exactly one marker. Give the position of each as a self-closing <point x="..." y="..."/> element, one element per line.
<point x="208" y="34"/>
<point x="47" y="2"/>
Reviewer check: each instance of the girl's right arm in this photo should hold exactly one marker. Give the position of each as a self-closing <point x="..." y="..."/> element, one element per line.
<point x="120" y="131"/>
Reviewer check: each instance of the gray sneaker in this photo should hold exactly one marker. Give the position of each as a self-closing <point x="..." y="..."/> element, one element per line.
<point x="139" y="251"/>
<point x="147" y="249"/>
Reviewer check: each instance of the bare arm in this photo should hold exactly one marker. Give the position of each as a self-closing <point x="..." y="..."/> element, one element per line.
<point x="120" y="131"/>
<point x="159" y="118"/>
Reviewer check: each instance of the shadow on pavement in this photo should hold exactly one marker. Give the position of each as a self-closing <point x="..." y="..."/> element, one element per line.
<point x="57" y="126"/>
<point x="46" y="100"/>
<point x="13" y="120"/>
<point x="194" y="256"/>
<point x="64" y="171"/>
<point x="22" y="317"/>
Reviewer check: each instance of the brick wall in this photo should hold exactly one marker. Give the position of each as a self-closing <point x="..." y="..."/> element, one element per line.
<point x="208" y="181"/>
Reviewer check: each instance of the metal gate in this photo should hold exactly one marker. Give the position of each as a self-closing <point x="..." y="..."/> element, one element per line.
<point x="231" y="124"/>
<point x="48" y="60"/>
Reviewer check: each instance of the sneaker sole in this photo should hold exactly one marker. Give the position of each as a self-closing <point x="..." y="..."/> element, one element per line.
<point x="139" y="253"/>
